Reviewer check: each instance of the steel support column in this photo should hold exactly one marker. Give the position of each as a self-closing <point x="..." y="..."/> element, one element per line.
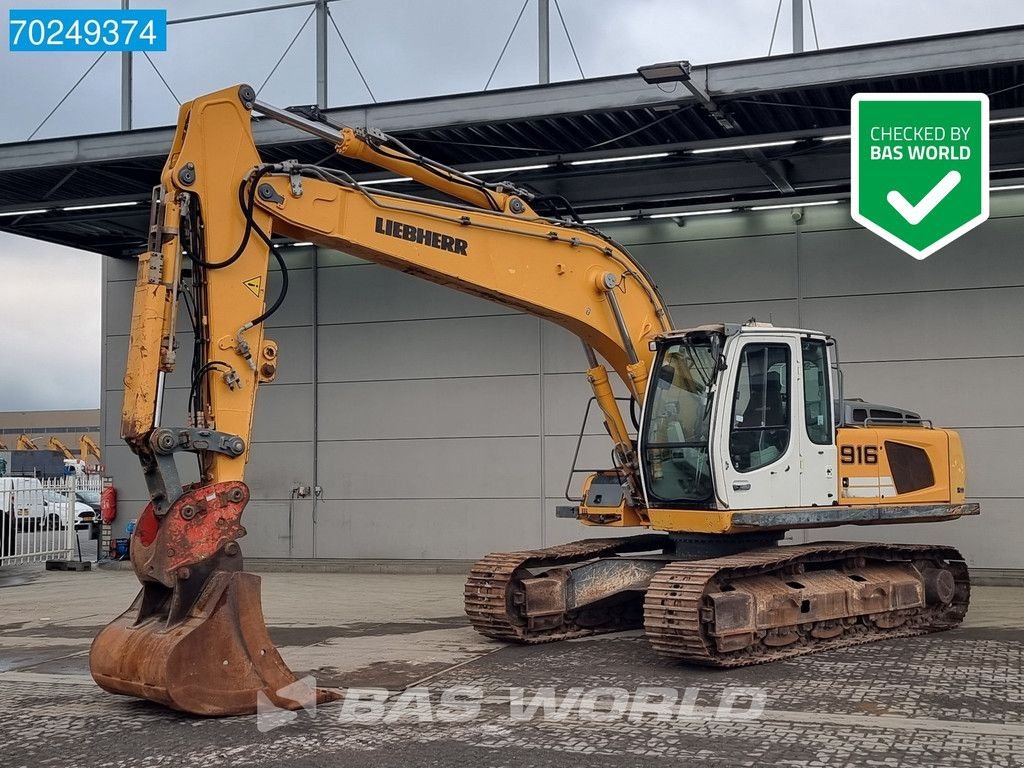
<point x="798" y="26"/>
<point x="543" y="42"/>
<point x="321" y="54"/>
<point x="126" y="83"/>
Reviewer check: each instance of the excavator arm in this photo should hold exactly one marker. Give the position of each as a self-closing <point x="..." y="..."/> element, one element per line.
<point x="56" y="445"/>
<point x="195" y="638"/>
<point x="87" y="447"/>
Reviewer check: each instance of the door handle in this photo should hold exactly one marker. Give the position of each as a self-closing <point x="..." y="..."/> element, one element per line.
<point x="741" y="485"/>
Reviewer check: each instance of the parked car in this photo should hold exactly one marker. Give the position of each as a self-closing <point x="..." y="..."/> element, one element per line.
<point x="56" y="510"/>
<point x="90" y="499"/>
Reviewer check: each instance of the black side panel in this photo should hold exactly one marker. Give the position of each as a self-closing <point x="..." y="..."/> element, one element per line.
<point x="911" y="470"/>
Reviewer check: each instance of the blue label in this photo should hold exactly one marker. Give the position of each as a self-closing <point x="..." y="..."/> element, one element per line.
<point x="96" y="30"/>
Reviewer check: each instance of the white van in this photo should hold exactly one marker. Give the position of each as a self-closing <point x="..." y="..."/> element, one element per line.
<point x="24" y="503"/>
<point x="21" y="501"/>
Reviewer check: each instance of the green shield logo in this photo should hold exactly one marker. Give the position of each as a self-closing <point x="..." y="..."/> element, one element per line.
<point x="919" y="167"/>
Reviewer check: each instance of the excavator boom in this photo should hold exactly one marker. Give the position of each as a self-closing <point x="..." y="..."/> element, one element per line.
<point x="56" y="445"/>
<point x="87" y="447"/>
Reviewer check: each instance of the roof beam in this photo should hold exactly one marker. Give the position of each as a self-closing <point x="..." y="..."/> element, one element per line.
<point x="774" y="172"/>
<point x="967" y="50"/>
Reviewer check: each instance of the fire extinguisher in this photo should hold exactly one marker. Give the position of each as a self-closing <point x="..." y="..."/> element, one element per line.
<point x="108" y="504"/>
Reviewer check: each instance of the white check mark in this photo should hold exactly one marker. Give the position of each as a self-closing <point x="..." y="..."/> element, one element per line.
<point x="915" y="213"/>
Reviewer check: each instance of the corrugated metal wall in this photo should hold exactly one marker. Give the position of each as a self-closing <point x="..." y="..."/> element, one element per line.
<point x="445" y="424"/>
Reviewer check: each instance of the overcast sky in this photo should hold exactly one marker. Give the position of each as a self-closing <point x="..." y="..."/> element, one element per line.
<point x="49" y="296"/>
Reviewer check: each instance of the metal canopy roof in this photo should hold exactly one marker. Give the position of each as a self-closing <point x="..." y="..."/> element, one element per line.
<point x="803" y="97"/>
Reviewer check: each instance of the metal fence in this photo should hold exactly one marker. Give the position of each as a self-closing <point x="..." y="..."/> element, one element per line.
<point x="39" y="517"/>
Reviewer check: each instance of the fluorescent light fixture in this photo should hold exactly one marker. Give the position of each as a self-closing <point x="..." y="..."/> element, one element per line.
<point x="1008" y="186"/>
<point x="793" y="205"/>
<point x="608" y="220"/>
<point x="620" y="159"/>
<point x="297" y="245"/>
<point x="690" y="213"/>
<point x="1001" y="120"/>
<point x="99" y="205"/>
<point x="758" y="145"/>
<point x="665" y="72"/>
<point x="397" y="180"/>
<point x="25" y="213"/>
<point x="838" y="137"/>
<point x="486" y="171"/>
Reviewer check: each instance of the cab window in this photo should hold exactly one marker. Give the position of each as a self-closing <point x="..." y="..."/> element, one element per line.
<point x="817" y="400"/>
<point x="678" y="429"/>
<point x="760" y="416"/>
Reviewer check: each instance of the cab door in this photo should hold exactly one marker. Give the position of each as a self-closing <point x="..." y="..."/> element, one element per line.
<point x="757" y="448"/>
<point x="816" y="435"/>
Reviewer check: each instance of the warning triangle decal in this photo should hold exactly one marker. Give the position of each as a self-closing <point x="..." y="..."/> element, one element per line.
<point x="254" y="284"/>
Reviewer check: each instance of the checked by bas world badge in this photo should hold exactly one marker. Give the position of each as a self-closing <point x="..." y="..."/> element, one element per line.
<point x="919" y="167"/>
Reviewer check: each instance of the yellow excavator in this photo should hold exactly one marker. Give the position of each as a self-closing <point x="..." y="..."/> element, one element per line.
<point x="26" y="443"/>
<point x="731" y="434"/>
<point x="88" y="447"/>
<point x="55" y="444"/>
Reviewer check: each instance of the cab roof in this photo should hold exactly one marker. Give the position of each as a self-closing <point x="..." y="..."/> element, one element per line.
<point x="733" y="329"/>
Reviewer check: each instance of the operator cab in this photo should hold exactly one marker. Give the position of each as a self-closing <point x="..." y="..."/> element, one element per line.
<point x="739" y="417"/>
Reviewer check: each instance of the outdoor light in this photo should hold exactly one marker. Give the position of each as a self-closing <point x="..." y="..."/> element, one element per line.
<point x="678" y="214"/>
<point x="486" y="171"/>
<point x="666" y="72"/>
<point x="25" y="213"/>
<point x="297" y="245"/>
<point x="620" y="159"/>
<point x="99" y="205"/>
<point x="792" y="205"/>
<point x="396" y="180"/>
<point x="736" y="147"/>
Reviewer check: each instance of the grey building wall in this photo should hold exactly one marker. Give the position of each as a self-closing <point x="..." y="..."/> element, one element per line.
<point x="445" y="425"/>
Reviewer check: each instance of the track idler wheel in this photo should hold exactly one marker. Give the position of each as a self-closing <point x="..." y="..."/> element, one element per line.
<point x="198" y="644"/>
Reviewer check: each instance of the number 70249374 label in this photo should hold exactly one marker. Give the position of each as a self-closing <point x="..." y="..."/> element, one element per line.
<point x="87" y="30"/>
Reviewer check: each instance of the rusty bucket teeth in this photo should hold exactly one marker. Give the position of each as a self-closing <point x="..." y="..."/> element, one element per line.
<point x="217" y="661"/>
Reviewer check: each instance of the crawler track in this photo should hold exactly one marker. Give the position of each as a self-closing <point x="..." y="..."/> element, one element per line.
<point x="679" y="623"/>
<point x="677" y="614"/>
<point x="491" y="597"/>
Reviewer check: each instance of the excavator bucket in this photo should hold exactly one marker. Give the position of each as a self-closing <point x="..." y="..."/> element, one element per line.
<point x="200" y="644"/>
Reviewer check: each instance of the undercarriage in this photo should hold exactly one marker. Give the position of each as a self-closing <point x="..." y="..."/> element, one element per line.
<point x="719" y="601"/>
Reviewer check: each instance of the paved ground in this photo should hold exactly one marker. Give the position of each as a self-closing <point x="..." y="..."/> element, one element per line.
<point x="954" y="699"/>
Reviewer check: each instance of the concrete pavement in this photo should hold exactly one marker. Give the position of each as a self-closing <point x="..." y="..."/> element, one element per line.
<point x="951" y="699"/>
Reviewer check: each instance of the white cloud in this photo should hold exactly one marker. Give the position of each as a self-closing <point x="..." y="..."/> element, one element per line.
<point x="49" y="326"/>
